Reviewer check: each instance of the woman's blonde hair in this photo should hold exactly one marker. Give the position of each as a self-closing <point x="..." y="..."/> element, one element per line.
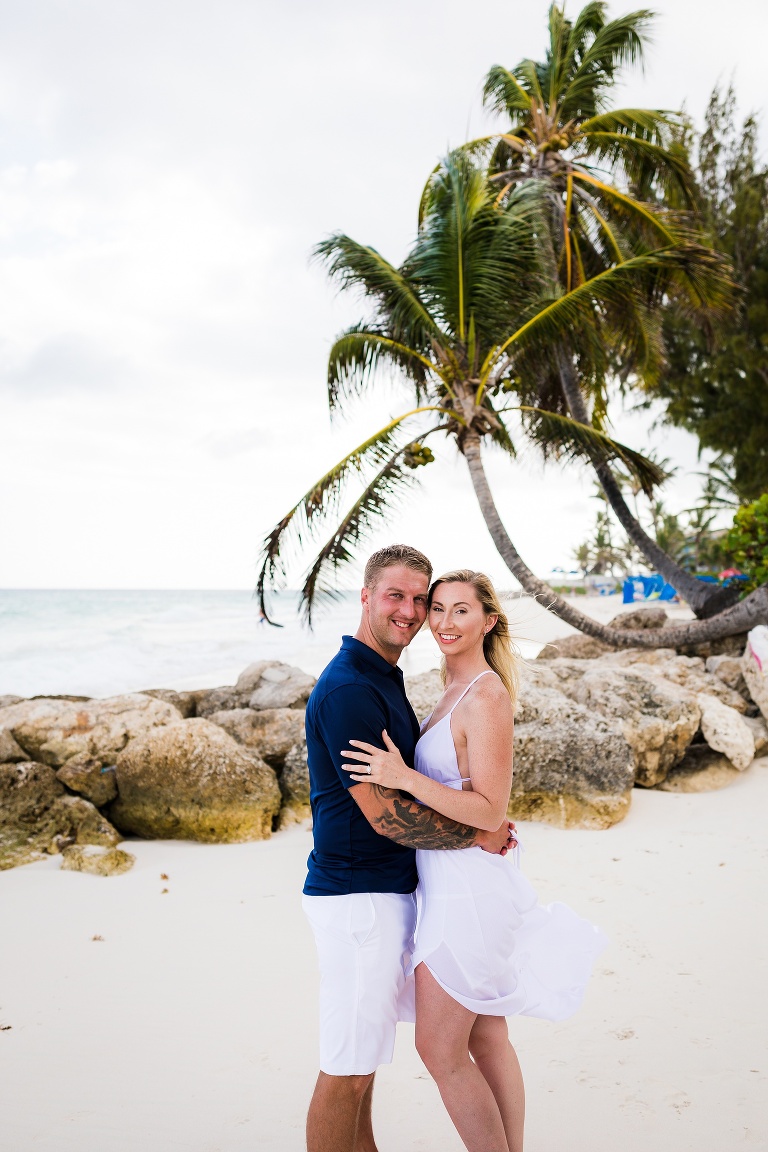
<point x="499" y="649"/>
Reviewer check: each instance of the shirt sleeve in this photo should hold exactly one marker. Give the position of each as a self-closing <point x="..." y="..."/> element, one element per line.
<point x="350" y="712"/>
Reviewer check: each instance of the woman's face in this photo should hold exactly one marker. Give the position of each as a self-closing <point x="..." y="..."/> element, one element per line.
<point x="457" y="619"/>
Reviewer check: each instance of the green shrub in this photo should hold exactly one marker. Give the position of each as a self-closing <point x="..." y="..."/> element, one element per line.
<point x="748" y="542"/>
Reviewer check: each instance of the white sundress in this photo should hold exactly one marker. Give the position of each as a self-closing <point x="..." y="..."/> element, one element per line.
<point x="480" y="928"/>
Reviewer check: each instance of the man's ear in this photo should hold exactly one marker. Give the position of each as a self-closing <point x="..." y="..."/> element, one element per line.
<point x="364" y="597"/>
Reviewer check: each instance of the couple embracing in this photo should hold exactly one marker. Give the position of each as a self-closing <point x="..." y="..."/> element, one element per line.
<point x="417" y="910"/>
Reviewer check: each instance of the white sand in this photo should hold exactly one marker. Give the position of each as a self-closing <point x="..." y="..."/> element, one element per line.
<point x="191" y="1025"/>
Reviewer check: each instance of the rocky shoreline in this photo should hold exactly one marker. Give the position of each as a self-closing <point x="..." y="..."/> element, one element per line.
<point x="228" y="764"/>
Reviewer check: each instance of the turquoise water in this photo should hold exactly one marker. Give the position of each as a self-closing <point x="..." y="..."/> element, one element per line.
<point x="100" y="643"/>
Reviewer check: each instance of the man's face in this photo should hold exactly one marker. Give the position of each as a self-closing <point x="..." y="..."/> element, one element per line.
<point x="395" y="608"/>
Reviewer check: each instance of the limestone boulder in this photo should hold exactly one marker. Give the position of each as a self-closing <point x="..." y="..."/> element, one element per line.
<point x="690" y="674"/>
<point x="424" y="691"/>
<point x="37" y="816"/>
<point x="191" y="780"/>
<point x="725" y="731"/>
<point x="701" y="770"/>
<point x="10" y="750"/>
<point x="759" y="729"/>
<point x="96" y="861"/>
<point x="210" y="700"/>
<point x="276" y="686"/>
<point x="729" y="670"/>
<point x="294" y="786"/>
<point x="578" y="646"/>
<point x="8" y="698"/>
<point x="272" y="732"/>
<point x="725" y="646"/>
<point x="96" y="728"/>
<point x="573" y="767"/>
<point x="657" y="720"/>
<point x="87" y="776"/>
<point x="754" y="665"/>
<point x="183" y="702"/>
<point x="652" y="616"/>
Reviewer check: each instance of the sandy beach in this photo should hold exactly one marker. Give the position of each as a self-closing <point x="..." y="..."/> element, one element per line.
<point x="140" y="1012"/>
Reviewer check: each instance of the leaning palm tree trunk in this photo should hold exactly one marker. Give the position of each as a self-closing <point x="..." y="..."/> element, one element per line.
<point x="749" y="612"/>
<point x="703" y="599"/>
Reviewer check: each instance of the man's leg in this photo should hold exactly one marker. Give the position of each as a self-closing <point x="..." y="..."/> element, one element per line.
<point x="365" y="1141"/>
<point x="338" y="1107"/>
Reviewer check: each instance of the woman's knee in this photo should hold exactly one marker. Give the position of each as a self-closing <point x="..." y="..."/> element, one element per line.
<point x="440" y="1058"/>
<point x="489" y="1037"/>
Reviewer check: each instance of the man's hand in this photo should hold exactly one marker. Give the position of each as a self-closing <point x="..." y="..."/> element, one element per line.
<point x="498" y="842"/>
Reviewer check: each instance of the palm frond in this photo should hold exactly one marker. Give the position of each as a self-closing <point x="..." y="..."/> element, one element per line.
<point x="644" y="162"/>
<point x="647" y="276"/>
<point x="354" y="265"/>
<point x="359" y="351"/>
<point x="503" y="92"/>
<point x="321" y="502"/>
<point x="562" y="437"/>
<point x="391" y="483"/>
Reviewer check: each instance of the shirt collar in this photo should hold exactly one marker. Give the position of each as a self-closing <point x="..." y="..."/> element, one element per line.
<point x="369" y="656"/>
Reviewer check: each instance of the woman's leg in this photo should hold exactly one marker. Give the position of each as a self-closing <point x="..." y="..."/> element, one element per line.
<point x="497" y="1060"/>
<point x="443" y="1028"/>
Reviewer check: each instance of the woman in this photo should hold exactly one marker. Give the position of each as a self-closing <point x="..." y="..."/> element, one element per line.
<point x="485" y="948"/>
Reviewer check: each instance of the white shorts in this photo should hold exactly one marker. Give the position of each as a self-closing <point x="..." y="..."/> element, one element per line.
<point x="364" y="944"/>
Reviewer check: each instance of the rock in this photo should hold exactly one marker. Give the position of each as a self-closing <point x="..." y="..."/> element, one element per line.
<point x="183" y="702"/>
<point x="729" y="670"/>
<point x="249" y="680"/>
<point x="97" y="728"/>
<point x="700" y="770"/>
<point x="726" y="646"/>
<point x="211" y="700"/>
<point x="8" y="699"/>
<point x="656" y="720"/>
<point x="754" y="665"/>
<point x="759" y="729"/>
<point x="689" y="673"/>
<point x="10" y="751"/>
<point x="279" y="686"/>
<point x="725" y="731"/>
<point x="294" y="786"/>
<point x="580" y="647"/>
<point x="272" y="732"/>
<point x="85" y="775"/>
<point x="424" y="691"/>
<point x="636" y="618"/>
<point x="96" y="861"/>
<point x="625" y="657"/>
<point x="37" y="816"/>
<point x="572" y="768"/>
<point x="191" y="781"/>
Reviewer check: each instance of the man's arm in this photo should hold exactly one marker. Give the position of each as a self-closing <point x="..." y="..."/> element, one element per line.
<point x="399" y="818"/>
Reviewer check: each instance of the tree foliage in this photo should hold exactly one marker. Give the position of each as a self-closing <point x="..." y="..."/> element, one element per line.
<point x="748" y="541"/>
<point x="718" y="389"/>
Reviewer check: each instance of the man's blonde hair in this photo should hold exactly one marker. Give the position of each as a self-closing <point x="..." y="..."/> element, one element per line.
<point x="395" y="554"/>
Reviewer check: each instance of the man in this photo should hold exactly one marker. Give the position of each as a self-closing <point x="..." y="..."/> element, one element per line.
<point x="358" y="895"/>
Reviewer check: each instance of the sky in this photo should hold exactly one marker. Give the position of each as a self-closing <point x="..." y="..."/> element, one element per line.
<point x="165" y="170"/>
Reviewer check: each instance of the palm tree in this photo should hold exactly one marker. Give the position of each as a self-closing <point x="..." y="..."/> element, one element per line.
<point x="459" y="321"/>
<point x="564" y="134"/>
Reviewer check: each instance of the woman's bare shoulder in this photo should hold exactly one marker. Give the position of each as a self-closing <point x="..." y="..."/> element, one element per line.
<point x="488" y="698"/>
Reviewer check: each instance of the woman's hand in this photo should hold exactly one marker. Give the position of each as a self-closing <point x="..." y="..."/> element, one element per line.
<point x="380" y="767"/>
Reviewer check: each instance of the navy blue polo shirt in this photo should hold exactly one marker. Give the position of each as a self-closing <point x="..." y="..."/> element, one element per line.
<point x="357" y="696"/>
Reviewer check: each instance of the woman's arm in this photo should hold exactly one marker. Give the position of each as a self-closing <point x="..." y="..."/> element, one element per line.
<point x="487" y="725"/>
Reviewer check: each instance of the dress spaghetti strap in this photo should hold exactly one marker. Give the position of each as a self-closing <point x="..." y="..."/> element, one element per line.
<point x="488" y="671"/>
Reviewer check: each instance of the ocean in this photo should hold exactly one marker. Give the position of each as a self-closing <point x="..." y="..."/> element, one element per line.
<point x="101" y="643"/>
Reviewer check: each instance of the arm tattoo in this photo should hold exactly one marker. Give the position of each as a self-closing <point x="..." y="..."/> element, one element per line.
<point x="407" y="822"/>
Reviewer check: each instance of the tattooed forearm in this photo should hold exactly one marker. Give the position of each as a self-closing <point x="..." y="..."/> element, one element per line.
<point x="407" y="822"/>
